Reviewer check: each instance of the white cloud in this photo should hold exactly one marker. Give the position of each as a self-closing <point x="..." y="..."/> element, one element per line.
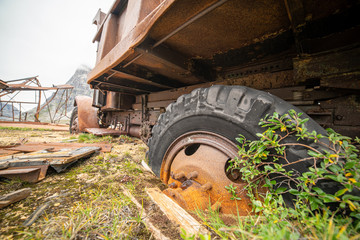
<point x="49" y="38"/>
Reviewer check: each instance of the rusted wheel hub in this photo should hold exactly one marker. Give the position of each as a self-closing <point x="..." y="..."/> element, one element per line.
<point x="195" y="165"/>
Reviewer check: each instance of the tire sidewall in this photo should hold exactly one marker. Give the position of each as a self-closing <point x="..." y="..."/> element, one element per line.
<point x="206" y="123"/>
<point x="74" y="115"/>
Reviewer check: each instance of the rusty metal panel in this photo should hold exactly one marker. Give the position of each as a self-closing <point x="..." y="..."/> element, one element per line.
<point x="134" y="131"/>
<point x="87" y="114"/>
<point x="3" y="84"/>
<point x="342" y="81"/>
<point x="125" y="47"/>
<point x="261" y="81"/>
<point x="338" y="64"/>
<point x="58" y="160"/>
<point x="28" y="174"/>
<point x="116" y="100"/>
<point x="4" y="152"/>
<point x="232" y="25"/>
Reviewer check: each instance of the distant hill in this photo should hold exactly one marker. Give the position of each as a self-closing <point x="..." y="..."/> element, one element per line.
<point x="6" y="113"/>
<point x="78" y="80"/>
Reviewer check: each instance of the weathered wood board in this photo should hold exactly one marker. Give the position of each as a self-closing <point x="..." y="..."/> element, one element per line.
<point x="32" y="167"/>
<point x="34" y="146"/>
<point x="176" y="213"/>
<point x="12" y="197"/>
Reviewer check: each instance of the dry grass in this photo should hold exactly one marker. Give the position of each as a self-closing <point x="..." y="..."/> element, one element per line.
<point x="86" y="201"/>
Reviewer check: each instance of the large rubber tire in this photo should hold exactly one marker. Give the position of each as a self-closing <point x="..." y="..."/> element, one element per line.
<point x="224" y="110"/>
<point x="73" y="117"/>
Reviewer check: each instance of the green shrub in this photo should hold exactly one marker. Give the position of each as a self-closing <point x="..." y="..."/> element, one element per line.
<point x="264" y="163"/>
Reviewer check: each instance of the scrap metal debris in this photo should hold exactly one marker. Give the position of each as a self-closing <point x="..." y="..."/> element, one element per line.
<point x="32" y="167"/>
<point x="34" y="146"/>
<point x="131" y="131"/>
<point x="13" y="87"/>
<point x="104" y="131"/>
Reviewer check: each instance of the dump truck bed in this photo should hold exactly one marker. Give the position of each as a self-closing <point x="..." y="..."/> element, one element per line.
<point x="151" y="46"/>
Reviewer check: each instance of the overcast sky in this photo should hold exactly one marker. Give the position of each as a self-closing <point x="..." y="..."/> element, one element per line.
<point x="49" y="38"/>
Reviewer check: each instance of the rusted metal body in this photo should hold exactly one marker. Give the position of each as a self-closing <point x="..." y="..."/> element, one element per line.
<point x="134" y="131"/>
<point x="152" y="52"/>
<point x="27" y="174"/>
<point x="87" y="114"/>
<point x="55" y="146"/>
<point x="12" y="88"/>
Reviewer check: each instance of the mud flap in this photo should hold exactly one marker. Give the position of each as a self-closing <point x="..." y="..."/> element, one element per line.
<point x="87" y="114"/>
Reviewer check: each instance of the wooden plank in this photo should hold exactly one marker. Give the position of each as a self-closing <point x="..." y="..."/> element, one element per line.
<point x="16" y="196"/>
<point x="146" y="167"/>
<point x="34" y="146"/>
<point x="36" y="214"/>
<point x="75" y="155"/>
<point x="4" y="165"/>
<point x="64" y="153"/>
<point x="176" y="213"/>
<point x="46" y="158"/>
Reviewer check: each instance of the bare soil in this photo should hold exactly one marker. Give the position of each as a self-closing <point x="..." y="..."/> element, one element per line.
<point x="90" y="189"/>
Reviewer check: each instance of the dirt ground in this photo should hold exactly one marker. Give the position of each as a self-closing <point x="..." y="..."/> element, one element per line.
<point x="85" y="201"/>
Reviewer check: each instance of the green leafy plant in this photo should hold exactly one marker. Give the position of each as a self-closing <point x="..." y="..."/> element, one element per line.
<point x="186" y="236"/>
<point x="232" y="190"/>
<point x="333" y="160"/>
<point x="91" y="138"/>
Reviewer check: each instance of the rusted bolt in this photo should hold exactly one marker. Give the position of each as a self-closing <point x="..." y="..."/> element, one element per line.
<point x="186" y="184"/>
<point x="193" y="175"/>
<point x="216" y="206"/>
<point x="179" y="176"/>
<point x="172" y="185"/>
<point x="235" y="174"/>
<point x="207" y="186"/>
<point x="339" y="117"/>
<point x="171" y="193"/>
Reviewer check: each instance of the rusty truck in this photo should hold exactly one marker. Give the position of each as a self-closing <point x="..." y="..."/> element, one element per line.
<point x="188" y="76"/>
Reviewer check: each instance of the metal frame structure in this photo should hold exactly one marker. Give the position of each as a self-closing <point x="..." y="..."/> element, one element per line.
<point x="13" y="87"/>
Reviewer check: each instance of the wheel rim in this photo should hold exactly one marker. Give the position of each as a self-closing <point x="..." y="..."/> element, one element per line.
<point x="195" y="165"/>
